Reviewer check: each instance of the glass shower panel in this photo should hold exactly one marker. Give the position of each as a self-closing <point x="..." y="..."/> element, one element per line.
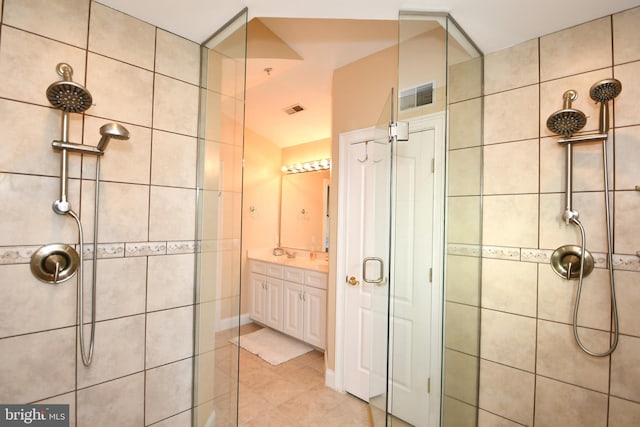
<point x="463" y="243"/>
<point x="220" y="145"/>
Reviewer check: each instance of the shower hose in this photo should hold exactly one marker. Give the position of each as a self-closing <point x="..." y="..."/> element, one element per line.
<point x="87" y="355"/>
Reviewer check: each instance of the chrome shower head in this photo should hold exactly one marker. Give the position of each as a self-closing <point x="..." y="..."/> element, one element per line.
<point x="109" y="131"/>
<point x="568" y="120"/>
<point x="67" y="95"/>
<point x="605" y="90"/>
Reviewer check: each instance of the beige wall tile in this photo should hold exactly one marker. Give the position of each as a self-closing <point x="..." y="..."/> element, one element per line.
<point x="32" y="198"/>
<point x="121" y="287"/>
<point x="37" y="366"/>
<point x="508" y="339"/>
<point x="623" y="412"/>
<point x="50" y="19"/>
<point x="576" y="50"/>
<point x="465" y="79"/>
<point x="464" y="172"/>
<point x="626" y="36"/>
<point x="172" y="214"/>
<point x="464" y="220"/>
<point x="627" y="157"/>
<point x="464" y="328"/>
<point x="183" y="419"/>
<point x="63" y="399"/>
<point x="511" y="68"/>
<point x="36" y="58"/>
<point x="463" y="279"/>
<point x="124" y="211"/>
<point x="627" y="228"/>
<point x="175" y="106"/>
<point x="566" y="405"/>
<point x="487" y="419"/>
<point x="119" y="350"/>
<point x="174" y="160"/>
<point x="511" y="115"/>
<point x="29" y="131"/>
<point x="465" y="124"/>
<point x="509" y="286"/>
<point x="628" y="298"/>
<point x="551" y="100"/>
<point x="507" y="392"/>
<point x="510" y="221"/>
<point x="224" y="116"/>
<point x="510" y="168"/>
<point x="30" y="305"/>
<point x="170" y="282"/>
<point x="556" y="298"/>
<point x="120" y="91"/>
<point x="168" y="390"/>
<point x="125" y="397"/>
<point x="625" y="370"/>
<point x="554" y="232"/>
<point x="461" y="376"/>
<point x="122" y="37"/>
<point x="626" y="111"/>
<point x="124" y="160"/>
<point x="458" y="414"/>
<point x="165" y="345"/>
<point x="177" y="57"/>
<point x="559" y="357"/>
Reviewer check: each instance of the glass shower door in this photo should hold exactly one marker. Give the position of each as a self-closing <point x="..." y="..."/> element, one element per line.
<point x="220" y="146"/>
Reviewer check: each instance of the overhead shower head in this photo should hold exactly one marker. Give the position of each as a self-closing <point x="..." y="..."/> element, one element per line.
<point x="109" y="131"/>
<point x="605" y="90"/>
<point x="568" y="120"/>
<point x="67" y="95"/>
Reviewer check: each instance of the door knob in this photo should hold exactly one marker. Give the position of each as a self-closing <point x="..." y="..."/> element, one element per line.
<point x="353" y="281"/>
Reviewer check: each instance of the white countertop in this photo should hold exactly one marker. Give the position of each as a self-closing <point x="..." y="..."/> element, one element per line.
<point x="299" y="261"/>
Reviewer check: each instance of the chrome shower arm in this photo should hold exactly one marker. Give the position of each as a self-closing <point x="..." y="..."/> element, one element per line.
<point x="77" y="148"/>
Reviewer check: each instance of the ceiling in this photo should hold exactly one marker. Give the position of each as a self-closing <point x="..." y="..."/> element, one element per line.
<point x="328" y="34"/>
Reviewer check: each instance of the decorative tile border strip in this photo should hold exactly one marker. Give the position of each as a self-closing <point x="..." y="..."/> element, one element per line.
<point x="22" y="254"/>
<point x="499" y="252"/>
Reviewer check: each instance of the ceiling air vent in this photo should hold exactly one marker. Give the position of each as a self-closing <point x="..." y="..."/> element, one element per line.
<point x="417" y="96"/>
<point x="294" y="109"/>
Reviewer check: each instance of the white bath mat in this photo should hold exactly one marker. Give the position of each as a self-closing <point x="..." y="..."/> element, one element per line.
<point x="272" y="346"/>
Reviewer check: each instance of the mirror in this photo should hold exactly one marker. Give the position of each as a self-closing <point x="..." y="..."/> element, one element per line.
<point x="304" y="211"/>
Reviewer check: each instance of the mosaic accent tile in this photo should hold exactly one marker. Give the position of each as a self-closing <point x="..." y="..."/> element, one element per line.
<point x="181" y="247"/>
<point x="464" y="250"/>
<point x="500" y="252"/>
<point x="145" y="248"/>
<point x="17" y="254"/>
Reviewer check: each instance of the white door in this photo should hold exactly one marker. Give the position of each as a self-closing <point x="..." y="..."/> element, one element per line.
<point x="411" y="289"/>
<point x="274" y="303"/>
<point x="412" y="261"/>
<point x="366" y="236"/>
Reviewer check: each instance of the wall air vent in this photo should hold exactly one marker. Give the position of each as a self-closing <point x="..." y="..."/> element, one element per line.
<point x="417" y="96"/>
<point x="296" y="108"/>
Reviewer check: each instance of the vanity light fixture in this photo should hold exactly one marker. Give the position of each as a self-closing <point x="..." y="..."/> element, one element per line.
<point x="314" y="165"/>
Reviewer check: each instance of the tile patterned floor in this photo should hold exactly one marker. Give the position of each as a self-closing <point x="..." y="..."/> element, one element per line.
<point x="293" y="394"/>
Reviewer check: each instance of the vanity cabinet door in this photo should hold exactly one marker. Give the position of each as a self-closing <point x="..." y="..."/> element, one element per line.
<point x="274" y="303"/>
<point x="293" y="309"/>
<point x="258" y="298"/>
<point x="315" y="316"/>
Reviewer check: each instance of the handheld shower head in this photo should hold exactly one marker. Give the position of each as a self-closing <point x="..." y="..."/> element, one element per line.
<point x="605" y="90"/>
<point x="568" y="120"/>
<point x="111" y="130"/>
<point x="67" y="95"/>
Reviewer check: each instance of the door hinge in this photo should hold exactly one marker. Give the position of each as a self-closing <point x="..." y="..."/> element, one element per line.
<point x="428" y="385"/>
<point x="433" y="165"/>
<point x="431" y="274"/>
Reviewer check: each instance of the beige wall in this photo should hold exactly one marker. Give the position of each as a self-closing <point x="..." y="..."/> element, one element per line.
<point x="261" y="191"/>
<point x="314" y="150"/>
<point x="147" y="79"/>
<point x="532" y="372"/>
<point x="360" y="91"/>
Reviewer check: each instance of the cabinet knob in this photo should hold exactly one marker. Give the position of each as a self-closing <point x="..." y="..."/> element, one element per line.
<point x="353" y="281"/>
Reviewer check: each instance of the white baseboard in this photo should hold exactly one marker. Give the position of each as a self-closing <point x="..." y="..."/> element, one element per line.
<point x="232" y="322"/>
<point x="330" y="378"/>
